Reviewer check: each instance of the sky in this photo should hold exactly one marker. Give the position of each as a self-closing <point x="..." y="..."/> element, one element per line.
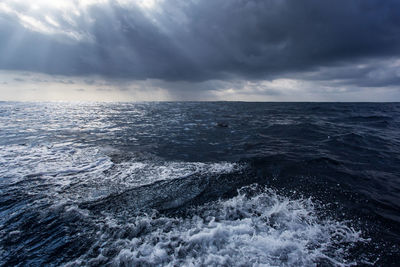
<point x="155" y="50"/>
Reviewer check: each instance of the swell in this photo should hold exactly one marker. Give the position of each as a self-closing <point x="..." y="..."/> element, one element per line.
<point x="172" y="195"/>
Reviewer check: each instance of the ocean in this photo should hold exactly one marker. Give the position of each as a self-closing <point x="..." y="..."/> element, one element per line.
<point x="199" y="184"/>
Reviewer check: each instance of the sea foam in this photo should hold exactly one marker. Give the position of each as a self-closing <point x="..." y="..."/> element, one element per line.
<point x="257" y="227"/>
<point x="85" y="173"/>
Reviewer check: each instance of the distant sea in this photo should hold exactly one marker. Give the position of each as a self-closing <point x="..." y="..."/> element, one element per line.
<point x="199" y="183"/>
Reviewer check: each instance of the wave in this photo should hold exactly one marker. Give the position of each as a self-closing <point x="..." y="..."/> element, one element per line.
<point x="83" y="173"/>
<point x="256" y="227"/>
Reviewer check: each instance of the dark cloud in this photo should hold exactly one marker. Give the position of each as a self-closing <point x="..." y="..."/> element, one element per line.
<point x="90" y="82"/>
<point x="214" y="39"/>
<point x="104" y="89"/>
<point x="65" y="81"/>
<point x="362" y="73"/>
<point x="39" y="80"/>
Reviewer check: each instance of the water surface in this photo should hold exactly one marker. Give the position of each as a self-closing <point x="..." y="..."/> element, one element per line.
<point x="161" y="184"/>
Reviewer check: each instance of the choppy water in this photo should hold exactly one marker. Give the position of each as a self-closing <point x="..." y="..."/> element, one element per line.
<point x="146" y="184"/>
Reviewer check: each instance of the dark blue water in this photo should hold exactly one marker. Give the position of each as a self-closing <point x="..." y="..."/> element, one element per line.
<point x="217" y="184"/>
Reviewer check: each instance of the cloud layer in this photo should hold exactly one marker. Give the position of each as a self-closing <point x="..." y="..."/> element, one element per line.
<point x="351" y="44"/>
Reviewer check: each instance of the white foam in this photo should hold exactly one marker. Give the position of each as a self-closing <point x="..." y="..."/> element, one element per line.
<point x="19" y="161"/>
<point x="248" y="230"/>
<point x="75" y="172"/>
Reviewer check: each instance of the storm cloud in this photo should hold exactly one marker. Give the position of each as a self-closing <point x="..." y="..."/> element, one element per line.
<point x="338" y="43"/>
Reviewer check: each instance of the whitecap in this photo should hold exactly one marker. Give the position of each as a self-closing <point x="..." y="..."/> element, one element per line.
<point x="256" y="228"/>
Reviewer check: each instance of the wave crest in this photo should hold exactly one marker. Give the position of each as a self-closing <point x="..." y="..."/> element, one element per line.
<point x="256" y="227"/>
